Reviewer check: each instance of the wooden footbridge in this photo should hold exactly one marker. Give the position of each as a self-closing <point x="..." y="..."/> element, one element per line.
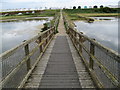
<point x="68" y="59"/>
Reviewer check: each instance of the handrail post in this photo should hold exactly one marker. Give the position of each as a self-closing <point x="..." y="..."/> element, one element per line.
<point x="80" y="41"/>
<point x="49" y="34"/>
<point x="69" y="32"/>
<point x="92" y="52"/>
<point x="27" y="53"/>
<point x="40" y="40"/>
<point x="75" y="38"/>
<point x="46" y="37"/>
<point x="54" y="29"/>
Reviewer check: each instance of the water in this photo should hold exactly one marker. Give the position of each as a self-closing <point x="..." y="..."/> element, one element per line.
<point x="14" y="33"/>
<point x="104" y="31"/>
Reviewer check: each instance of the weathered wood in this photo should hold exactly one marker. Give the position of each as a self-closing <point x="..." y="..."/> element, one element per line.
<point x="80" y="47"/>
<point x="23" y="62"/>
<point x="38" y="59"/>
<point x="46" y="37"/>
<point x="40" y="40"/>
<point x="75" y="39"/>
<point x="94" y="45"/>
<point x="13" y="50"/>
<point x="27" y="53"/>
<point x="92" y="51"/>
<point x="108" y="51"/>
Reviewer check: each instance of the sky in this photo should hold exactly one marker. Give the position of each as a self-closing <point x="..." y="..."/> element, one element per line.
<point x="12" y="4"/>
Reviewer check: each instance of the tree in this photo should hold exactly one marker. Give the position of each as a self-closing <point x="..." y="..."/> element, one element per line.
<point x="74" y="7"/>
<point x="107" y="10"/>
<point x="79" y="7"/>
<point x="95" y="6"/>
<point x="101" y="6"/>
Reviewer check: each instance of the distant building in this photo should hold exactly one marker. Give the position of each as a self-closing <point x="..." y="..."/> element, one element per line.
<point x="85" y="7"/>
<point x="90" y="6"/>
<point x="79" y="7"/>
<point x="95" y="6"/>
<point x="33" y="11"/>
<point x="74" y="7"/>
<point x="19" y="14"/>
<point x="101" y="6"/>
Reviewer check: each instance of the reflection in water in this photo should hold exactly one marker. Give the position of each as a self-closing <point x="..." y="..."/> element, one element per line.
<point x="106" y="31"/>
<point x="14" y="33"/>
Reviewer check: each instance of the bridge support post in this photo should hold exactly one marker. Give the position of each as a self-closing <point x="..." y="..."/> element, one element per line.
<point x="92" y="52"/>
<point x="27" y="53"/>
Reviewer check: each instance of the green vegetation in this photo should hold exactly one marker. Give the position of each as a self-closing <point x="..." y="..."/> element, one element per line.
<point x="45" y="27"/>
<point x="85" y="14"/>
<point x="45" y="13"/>
<point x="52" y="23"/>
<point x="94" y="10"/>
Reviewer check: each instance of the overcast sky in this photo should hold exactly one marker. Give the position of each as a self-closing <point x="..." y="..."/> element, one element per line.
<point x="11" y="4"/>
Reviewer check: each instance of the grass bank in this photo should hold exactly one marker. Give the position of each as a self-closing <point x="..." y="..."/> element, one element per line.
<point x="85" y="14"/>
<point x="45" y="13"/>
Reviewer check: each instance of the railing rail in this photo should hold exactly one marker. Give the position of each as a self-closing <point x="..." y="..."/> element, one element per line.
<point x="18" y="63"/>
<point x="102" y="63"/>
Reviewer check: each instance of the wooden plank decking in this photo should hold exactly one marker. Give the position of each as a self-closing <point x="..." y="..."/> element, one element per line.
<point x="60" y="66"/>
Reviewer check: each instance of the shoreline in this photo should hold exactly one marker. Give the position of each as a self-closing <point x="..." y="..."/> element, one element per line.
<point x="87" y="16"/>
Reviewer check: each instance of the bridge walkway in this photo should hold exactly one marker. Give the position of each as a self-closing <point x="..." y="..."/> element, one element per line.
<point x="60" y="66"/>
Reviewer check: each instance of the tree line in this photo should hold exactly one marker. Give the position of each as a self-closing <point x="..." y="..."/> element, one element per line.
<point x="100" y="9"/>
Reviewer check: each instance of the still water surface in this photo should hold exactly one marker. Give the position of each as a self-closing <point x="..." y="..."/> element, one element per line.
<point x="14" y="33"/>
<point x="104" y="31"/>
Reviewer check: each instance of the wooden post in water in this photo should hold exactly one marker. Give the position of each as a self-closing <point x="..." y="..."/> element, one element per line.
<point x="92" y="51"/>
<point x="27" y="53"/>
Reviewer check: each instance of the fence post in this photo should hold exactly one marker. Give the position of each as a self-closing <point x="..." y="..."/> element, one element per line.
<point x="67" y="28"/>
<point x="92" y="51"/>
<point x="40" y="40"/>
<point x="54" y="29"/>
<point x="69" y="32"/>
<point x="27" y="53"/>
<point x="75" y="38"/>
<point x="72" y="33"/>
<point x="80" y="41"/>
<point x="49" y="34"/>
